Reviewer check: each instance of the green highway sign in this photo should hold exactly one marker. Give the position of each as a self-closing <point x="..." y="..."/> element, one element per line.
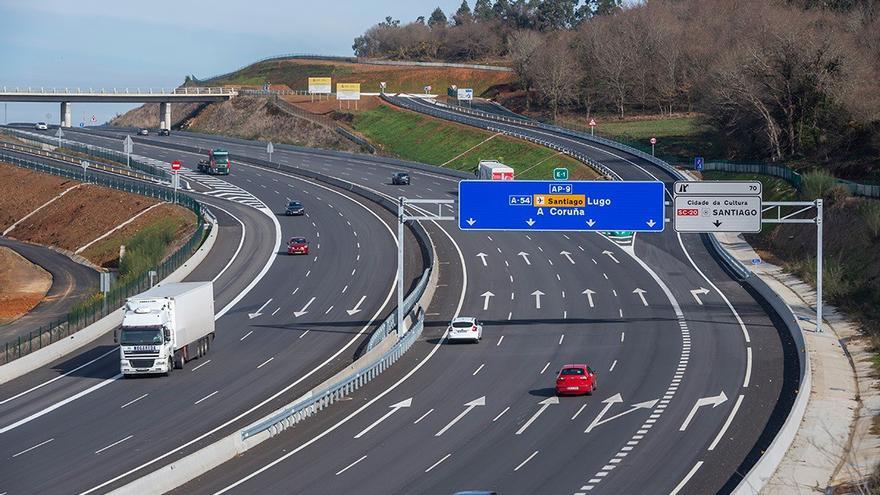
<point x="560" y="173"/>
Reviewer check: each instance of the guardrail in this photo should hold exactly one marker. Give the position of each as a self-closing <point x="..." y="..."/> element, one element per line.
<point x="114" y="169"/>
<point x="92" y="311"/>
<point x="186" y="90"/>
<point x="792" y="177"/>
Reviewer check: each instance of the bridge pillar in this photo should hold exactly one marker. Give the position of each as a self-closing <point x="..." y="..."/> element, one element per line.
<point x="65" y="114"/>
<point x="165" y="115"/>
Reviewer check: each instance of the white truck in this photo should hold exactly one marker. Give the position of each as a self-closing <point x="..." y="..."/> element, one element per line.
<point x="165" y="327"/>
<point x="494" y="170"/>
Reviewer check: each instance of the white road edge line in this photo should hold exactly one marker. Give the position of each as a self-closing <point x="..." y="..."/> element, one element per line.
<point x="4" y="401"/>
<point x="726" y="423"/>
<point x="687" y="478"/>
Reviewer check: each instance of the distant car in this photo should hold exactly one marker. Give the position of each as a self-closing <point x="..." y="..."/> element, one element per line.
<point x="41" y="126"/>
<point x="465" y="328"/>
<point x="400" y="179"/>
<point x="294" y="208"/>
<point x="164" y="132"/>
<point x="576" y="379"/>
<point x="144" y="132"/>
<point x="298" y="245"/>
<point x="619" y="233"/>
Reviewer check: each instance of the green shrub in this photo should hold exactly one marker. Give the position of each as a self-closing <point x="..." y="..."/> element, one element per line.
<point x="870" y="212"/>
<point x="145" y="250"/>
<point x="817" y="184"/>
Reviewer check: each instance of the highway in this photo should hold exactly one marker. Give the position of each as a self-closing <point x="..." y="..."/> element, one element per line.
<point x="285" y="324"/>
<point x="663" y="324"/>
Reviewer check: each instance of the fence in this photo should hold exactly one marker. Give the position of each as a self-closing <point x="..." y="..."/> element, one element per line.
<point x="790" y="176"/>
<point x="93" y="310"/>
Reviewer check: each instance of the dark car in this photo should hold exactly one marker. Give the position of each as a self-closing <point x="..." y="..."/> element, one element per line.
<point x="400" y="179"/>
<point x="164" y="132"/>
<point x="294" y="208"/>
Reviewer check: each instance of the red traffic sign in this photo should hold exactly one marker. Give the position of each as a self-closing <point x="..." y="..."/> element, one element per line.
<point x="592" y="122"/>
<point x="175" y="165"/>
<point x="653" y="140"/>
<point x="94" y="119"/>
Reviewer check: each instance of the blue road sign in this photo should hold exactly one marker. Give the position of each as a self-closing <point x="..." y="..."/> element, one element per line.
<point x="698" y="163"/>
<point x="561" y="206"/>
<point x="82" y="124"/>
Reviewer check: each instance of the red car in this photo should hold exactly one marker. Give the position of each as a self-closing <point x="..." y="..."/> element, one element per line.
<point x="298" y="245"/>
<point x="576" y="379"/>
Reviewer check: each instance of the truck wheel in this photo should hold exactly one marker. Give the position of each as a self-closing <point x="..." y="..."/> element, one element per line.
<point x="178" y="360"/>
<point x="170" y="367"/>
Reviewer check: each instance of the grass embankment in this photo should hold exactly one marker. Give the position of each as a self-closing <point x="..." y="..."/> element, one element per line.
<point x="420" y="138"/>
<point x="405" y="79"/>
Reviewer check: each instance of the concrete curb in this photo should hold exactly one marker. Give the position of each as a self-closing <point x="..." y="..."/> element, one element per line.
<point x="57" y="350"/>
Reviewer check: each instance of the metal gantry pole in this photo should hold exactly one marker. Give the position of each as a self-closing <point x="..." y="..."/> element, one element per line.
<point x="819" y="269"/>
<point x="400" y="221"/>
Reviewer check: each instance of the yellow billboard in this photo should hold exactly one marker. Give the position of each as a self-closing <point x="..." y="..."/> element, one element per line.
<point x="320" y="85"/>
<point x="348" y="91"/>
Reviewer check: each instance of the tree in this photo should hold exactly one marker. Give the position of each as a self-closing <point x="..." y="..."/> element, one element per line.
<point x="483" y="11"/>
<point x="501" y="10"/>
<point x="555" y="73"/>
<point x="522" y="47"/>
<point x="463" y="14"/>
<point x="552" y="15"/>
<point x="438" y="18"/>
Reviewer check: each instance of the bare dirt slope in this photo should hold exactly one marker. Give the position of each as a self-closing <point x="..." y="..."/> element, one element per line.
<point x="147" y="115"/>
<point x="25" y="190"/>
<point x="22" y="285"/>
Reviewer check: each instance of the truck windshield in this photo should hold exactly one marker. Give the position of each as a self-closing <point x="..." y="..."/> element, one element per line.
<point x="141" y="336"/>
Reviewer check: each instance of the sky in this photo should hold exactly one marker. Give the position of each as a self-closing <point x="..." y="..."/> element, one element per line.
<point x="156" y="43"/>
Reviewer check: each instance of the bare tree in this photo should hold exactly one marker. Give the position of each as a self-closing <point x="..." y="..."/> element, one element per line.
<point x="522" y="47"/>
<point x="555" y="73"/>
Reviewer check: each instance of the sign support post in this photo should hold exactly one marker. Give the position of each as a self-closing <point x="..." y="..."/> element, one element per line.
<point x="127" y="147"/>
<point x="653" y="143"/>
<point x="270" y="149"/>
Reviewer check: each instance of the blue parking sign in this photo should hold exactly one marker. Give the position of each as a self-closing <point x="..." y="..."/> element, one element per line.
<point x="698" y="163"/>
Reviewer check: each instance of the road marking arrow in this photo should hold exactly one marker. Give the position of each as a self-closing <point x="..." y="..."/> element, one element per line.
<point x="609" y="402"/>
<point x="530" y="222"/>
<point x="544" y="405"/>
<point x="394" y="409"/>
<point x="482" y="256"/>
<point x="716" y="223"/>
<point x="651" y="223"/>
<point x="611" y="255"/>
<point x="701" y="290"/>
<point x="305" y="308"/>
<point x="487" y="295"/>
<point x="525" y="257"/>
<point x="537" y="295"/>
<point x="471" y="221"/>
<point x="251" y="316"/>
<point x="356" y="308"/>
<point x="714" y="401"/>
<point x="468" y="408"/>
<point x="641" y="293"/>
<point x="591" y="222"/>
<point x="567" y="255"/>
<point x="589" y="294"/>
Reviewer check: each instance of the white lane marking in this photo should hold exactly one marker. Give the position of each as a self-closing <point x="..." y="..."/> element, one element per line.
<point x="346" y="468"/>
<point x="266" y="362"/>
<point x="276" y="311"/>
<point x="344" y="289"/>
<point x="580" y="409"/>
<point x="561" y="338"/>
<point x="614" y="291"/>
<point x="564" y="314"/>
<point x="622" y="336"/>
<point x="499" y="341"/>
<point x="545" y="368"/>
<point x="328" y="310"/>
<point x="132" y="401"/>
<point x="523" y="463"/>
<point x="726" y="423"/>
<point x="32" y="448"/>
<point x="294" y="291"/>
<point x="748" y="367"/>
<point x="423" y="416"/>
<point x="605" y="275"/>
<point x="246" y="335"/>
<point x="199" y="366"/>
<point x="438" y="462"/>
<point x="478" y="369"/>
<point x="620" y="311"/>
<point x="114" y="444"/>
<point x="594" y="261"/>
<point x="303" y="334"/>
<point x="310" y="272"/>
<point x="212" y="394"/>
<point x="686" y="478"/>
<point x="114" y="350"/>
<point x="61" y="403"/>
<point x="509" y="315"/>
<point x="612" y="366"/>
<point x="501" y="414"/>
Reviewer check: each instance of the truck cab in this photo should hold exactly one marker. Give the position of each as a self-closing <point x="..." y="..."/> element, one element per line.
<point x="217" y="163"/>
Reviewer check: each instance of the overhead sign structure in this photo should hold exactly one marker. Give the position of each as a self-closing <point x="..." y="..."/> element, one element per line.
<point x="320" y="85"/>
<point x="465" y="94"/>
<point x="561" y="206"/>
<point x="717" y="206"/>
<point x="348" y="91"/>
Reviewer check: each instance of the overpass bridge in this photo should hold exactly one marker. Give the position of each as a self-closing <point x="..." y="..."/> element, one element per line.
<point x="67" y="96"/>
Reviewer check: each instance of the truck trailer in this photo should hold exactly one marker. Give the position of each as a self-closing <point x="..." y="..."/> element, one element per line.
<point x="494" y="170"/>
<point x="217" y="163"/>
<point x="165" y="327"/>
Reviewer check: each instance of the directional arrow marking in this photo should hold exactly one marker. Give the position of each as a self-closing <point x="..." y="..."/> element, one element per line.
<point x="717" y="223"/>
<point x="305" y="308"/>
<point x="251" y="316"/>
<point x="701" y="290"/>
<point x="611" y="255"/>
<point x="567" y="255"/>
<point x="530" y="222"/>
<point x="589" y="294"/>
<point x="468" y="408"/>
<point x="486" y="295"/>
<point x="609" y="402"/>
<point x="525" y="256"/>
<point x="356" y="308"/>
<point x="538" y="295"/>
<point x="471" y="221"/>
<point x="651" y="223"/>
<point x="714" y="401"/>
<point x="591" y="222"/>
<point x="482" y="256"/>
<point x="544" y="405"/>
<point x="394" y="409"/>
<point x="641" y="293"/>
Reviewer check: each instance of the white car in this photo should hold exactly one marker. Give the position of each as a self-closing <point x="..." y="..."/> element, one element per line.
<point x="144" y="132"/>
<point x="465" y="328"/>
<point x="41" y="126"/>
